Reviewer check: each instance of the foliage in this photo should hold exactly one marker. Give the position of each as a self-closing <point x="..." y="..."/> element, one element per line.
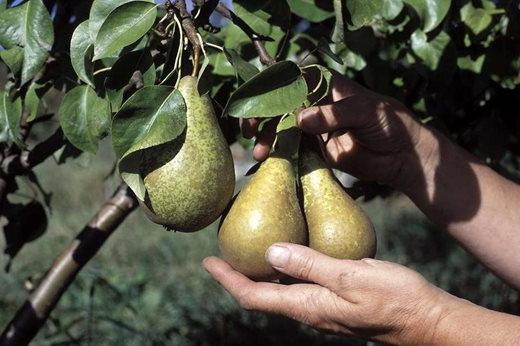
<point x="89" y="68"/>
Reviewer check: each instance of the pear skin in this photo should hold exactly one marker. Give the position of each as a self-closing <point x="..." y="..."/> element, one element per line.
<point x="337" y="226"/>
<point x="265" y="212"/>
<point x="191" y="189"/>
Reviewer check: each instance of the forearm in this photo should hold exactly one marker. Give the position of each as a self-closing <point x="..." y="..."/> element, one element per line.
<point x="477" y="206"/>
<point x="464" y="323"/>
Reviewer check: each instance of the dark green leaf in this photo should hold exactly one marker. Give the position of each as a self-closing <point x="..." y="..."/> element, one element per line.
<point x="38" y="38"/>
<point x="33" y="99"/>
<point x="12" y="26"/>
<point x="431" y="12"/>
<point x="308" y="9"/>
<point x="278" y="89"/>
<point x="122" y="72"/>
<point x="243" y="69"/>
<point x="10" y="116"/>
<point x="124" y="26"/>
<point x="152" y="118"/>
<point x="322" y="87"/>
<point x="81" y="52"/>
<point x="29" y="26"/>
<point x="324" y="47"/>
<point x="13" y="58"/>
<point x="154" y="115"/>
<point x="84" y="118"/>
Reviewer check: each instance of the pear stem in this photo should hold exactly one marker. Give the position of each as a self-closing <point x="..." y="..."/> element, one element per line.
<point x="191" y="32"/>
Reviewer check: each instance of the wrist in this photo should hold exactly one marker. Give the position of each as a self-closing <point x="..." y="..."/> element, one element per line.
<point x="434" y="323"/>
<point x="418" y="172"/>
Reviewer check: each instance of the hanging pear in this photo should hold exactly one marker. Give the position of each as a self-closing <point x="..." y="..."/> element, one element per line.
<point x="337" y="226"/>
<point x="266" y="211"/>
<point x="192" y="185"/>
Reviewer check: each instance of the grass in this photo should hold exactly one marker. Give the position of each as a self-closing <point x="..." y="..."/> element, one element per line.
<point x="146" y="285"/>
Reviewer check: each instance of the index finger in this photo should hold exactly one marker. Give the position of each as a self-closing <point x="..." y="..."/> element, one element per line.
<point x="291" y="301"/>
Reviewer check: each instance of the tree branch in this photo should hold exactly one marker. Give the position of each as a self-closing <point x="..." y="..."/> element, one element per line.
<point x="257" y="39"/>
<point x="191" y="32"/>
<point x="20" y="164"/>
<point x="33" y="314"/>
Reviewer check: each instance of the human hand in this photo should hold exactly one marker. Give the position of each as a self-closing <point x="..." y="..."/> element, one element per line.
<point x="368" y="299"/>
<point x="370" y="136"/>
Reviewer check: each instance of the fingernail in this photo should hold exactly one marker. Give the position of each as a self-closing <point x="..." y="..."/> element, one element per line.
<point x="278" y="256"/>
<point x="307" y="120"/>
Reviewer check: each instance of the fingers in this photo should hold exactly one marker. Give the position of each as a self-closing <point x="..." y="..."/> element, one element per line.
<point x="310" y="304"/>
<point x="249" y="127"/>
<point x="353" y="112"/>
<point x="306" y="264"/>
<point x="264" y="140"/>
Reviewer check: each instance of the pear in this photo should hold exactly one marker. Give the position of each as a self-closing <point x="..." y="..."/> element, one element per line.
<point x="337" y="226"/>
<point x="189" y="188"/>
<point x="266" y="211"/>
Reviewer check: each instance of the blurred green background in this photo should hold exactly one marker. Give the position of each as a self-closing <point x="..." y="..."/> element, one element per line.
<point x="147" y="287"/>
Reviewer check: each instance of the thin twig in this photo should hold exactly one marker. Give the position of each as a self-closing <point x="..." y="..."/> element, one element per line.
<point x="257" y="39"/>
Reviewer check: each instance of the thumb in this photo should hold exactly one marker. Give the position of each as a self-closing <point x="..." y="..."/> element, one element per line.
<point x="348" y="113"/>
<point x="306" y="264"/>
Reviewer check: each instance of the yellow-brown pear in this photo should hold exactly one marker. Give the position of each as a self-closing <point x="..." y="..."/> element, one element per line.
<point x="266" y="211"/>
<point x="337" y="226"/>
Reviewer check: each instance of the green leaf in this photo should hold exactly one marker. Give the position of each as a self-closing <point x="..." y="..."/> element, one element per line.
<point x="81" y="52"/>
<point x="99" y="12"/>
<point x="147" y="123"/>
<point x="469" y="64"/>
<point x="324" y="47"/>
<point x="430" y="52"/>
<point x="278" y="89"/>
<point x="243" y="69"/>
<point x="124" y="26"/>
<point x="29" y="26"/>
<point x="477" y="19"/>
<point x="13" y="58"/>
<point x="323" y="85"/>
<point x="308" y="9"/>
<point x="264" y="17"/>
<point x="38" y="38"/>
<point x="84" y="118"/>
<point x="431" y="12"/>
<point x="392" y="8"/>
<point x="10" y="116"/>
<point x="122" y="71"/>
<point x="33" y="103"/>
<point x="152" y="116"/>
<point x="363" y="12"/>
<point x="351" y="60"/>
<point x="288" y="121"/>
<point x="12" y="26"/>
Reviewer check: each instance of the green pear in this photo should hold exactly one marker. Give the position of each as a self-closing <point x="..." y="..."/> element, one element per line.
<point x="337" y="226"/>
<point x="191" y="186"/>
<point x="266" y="211"/>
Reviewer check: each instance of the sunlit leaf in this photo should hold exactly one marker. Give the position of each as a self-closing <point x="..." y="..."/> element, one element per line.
<point x="81" y="53"/>
<point x="124" y="26"/>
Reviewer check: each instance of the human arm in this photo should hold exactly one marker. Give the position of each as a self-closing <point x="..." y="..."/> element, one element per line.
<point x="369" y="299"/>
